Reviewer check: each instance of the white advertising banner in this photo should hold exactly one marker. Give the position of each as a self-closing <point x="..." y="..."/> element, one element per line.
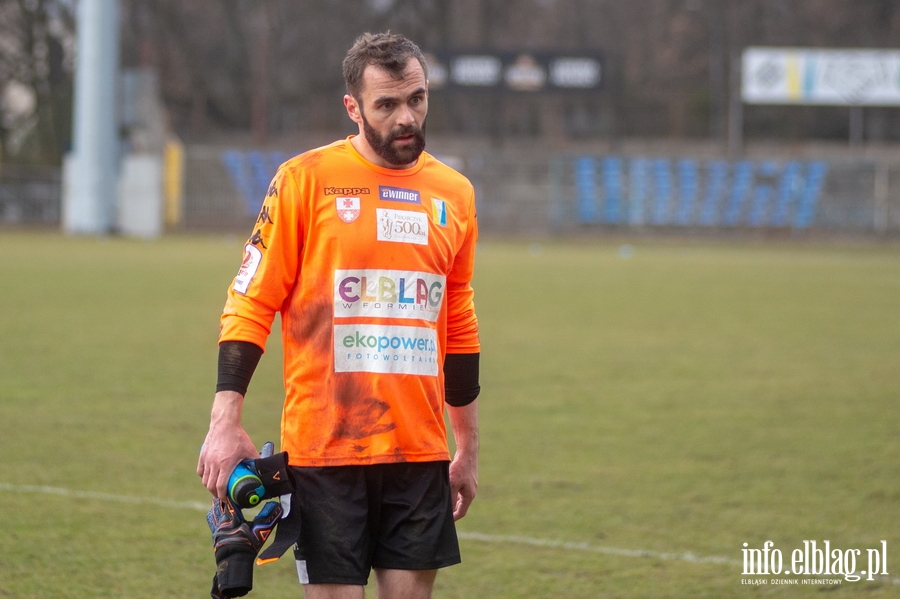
<point x="818" y="76"/>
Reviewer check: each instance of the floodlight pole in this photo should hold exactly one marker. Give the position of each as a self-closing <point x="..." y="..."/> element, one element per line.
<point x="92" y="169"/>
<point x="857" y="123"/>
<point x="735" y="110"/>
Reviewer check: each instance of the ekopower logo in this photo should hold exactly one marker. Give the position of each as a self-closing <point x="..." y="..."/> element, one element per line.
<point x="827" y="564"/>
<point x="382" y="343"/>
<point x="385" y="349"/>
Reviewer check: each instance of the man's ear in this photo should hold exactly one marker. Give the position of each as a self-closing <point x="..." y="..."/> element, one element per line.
<point x="352" y="107"/>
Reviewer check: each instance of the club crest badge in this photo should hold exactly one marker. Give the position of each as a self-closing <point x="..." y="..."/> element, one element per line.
<point x="439" y="212"/>
<point x="347" y="209"/>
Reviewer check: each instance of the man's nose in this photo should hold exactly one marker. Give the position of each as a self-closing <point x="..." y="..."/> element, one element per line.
<point x="404" y="116"/>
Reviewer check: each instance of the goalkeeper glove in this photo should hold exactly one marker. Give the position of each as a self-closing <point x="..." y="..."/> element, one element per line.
<point x="236" y="543"/>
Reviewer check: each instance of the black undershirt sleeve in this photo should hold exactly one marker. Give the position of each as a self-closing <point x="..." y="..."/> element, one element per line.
<point x="237" y="361"/>
<point x="461" y="379"/>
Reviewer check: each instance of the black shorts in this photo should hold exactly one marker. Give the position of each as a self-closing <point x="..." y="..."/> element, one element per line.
<point x="354" y="518"/>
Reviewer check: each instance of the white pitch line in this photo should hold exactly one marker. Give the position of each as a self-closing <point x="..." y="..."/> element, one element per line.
<point x="515" y="539"/>
<point x="190" y="505"/>
<point x="471" y="536"/>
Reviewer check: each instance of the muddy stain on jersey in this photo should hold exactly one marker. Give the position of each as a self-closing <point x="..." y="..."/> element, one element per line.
<point x="311" y="325"/>
<point x="309" y="160"/>
<point x="358" y="411"/>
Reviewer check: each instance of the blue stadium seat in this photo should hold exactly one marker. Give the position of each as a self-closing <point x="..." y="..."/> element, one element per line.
<point x="768" y="193"/>
<point x="251" y="173"/>
<point x="762" y="194"/>
<point x="741" y="182"/>
<point x="787" y="187"/>
<point x="809" y="196"/>
<point x="663" y="188"/>
<point x="612" y="187"/>
<point x="261" y="172"/>
<point x="638" y="174"/>
<point x="716" y="177"/>
<point x="586" y="186"/>
<point x="688" y="186"/>
<point x="235" y="165"/>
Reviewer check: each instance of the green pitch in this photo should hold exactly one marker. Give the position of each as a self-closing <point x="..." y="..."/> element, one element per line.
<point x="687" y="399"/>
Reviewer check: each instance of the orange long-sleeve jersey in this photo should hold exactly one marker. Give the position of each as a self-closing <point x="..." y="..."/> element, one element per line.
<point x="370" y="268"/>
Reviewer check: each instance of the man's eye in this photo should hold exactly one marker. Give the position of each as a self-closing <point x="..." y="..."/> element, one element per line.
<point x="387" y="105"/>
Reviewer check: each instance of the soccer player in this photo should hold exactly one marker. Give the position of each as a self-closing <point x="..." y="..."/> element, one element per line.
<point x="366" y="247"/>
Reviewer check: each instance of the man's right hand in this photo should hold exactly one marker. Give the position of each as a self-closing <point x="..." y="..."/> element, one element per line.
<point x="226" y="444"/>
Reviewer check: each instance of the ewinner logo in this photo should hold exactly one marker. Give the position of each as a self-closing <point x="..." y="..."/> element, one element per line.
<point x="385" y="349"/>
<point x="388" y="294"/>
<point x="398" y="194"/>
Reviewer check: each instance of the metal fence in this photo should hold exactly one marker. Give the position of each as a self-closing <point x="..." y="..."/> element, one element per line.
<point x="30" y="196"/>
<point x="524" y="190"/>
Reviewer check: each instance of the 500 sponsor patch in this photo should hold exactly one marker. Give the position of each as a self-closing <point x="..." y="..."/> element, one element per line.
<point x="385" y="349"/>
<point x="402" y="226"/>
<point x="388" y="294"/>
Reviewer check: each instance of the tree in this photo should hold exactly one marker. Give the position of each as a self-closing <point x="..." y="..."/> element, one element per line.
<point x="36" y="60"/>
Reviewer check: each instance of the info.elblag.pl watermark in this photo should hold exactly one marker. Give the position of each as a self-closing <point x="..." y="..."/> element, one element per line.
<point x="815" y="563"/>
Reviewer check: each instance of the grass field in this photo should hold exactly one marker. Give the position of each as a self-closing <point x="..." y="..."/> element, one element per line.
<point x="685" y="400"/>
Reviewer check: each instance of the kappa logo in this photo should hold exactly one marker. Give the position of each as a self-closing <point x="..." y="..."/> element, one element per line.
<point x="257" y="239"/>
<point x="347" y="209"/>
<point x="347" y="191"/>
<point x="264" y="216"/>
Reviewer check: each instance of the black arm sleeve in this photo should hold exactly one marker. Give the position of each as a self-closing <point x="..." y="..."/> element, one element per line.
<point x="461" y="379"/>
<point x="237" y="361"/>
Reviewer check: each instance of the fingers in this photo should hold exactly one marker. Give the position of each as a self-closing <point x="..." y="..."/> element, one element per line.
<point x="221" y="486"/>
<point x="214" y="474"/>
<point x="463" y="485"/>
<point x="222" y="450"/>
<point x="210" y="477"/>
<point x="216" y="481"/>
<point x="462" y="501"/>
<point x="462" y="492"/>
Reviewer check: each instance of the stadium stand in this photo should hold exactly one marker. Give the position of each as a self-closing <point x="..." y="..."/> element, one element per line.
<point x="743" y="193"/>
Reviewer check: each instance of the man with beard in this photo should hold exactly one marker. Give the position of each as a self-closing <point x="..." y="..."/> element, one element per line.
<point x="366" y="247"/>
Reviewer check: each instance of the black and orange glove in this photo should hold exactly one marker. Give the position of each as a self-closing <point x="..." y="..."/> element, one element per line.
<point x="236" y="543"/>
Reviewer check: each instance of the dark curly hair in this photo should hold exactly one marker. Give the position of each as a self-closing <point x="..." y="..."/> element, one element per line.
<point x="389" y="51"/>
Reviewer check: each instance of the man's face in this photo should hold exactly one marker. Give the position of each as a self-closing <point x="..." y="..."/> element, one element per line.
<point x="391" y="115"/>
<point x="400" y="146"/>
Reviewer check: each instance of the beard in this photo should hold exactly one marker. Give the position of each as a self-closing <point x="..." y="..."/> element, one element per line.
<point x="384" y="145"/>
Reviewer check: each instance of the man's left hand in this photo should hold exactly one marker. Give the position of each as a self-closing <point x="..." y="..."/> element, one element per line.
<point x="463" y="483"/>
<point x="464" y="467"/>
